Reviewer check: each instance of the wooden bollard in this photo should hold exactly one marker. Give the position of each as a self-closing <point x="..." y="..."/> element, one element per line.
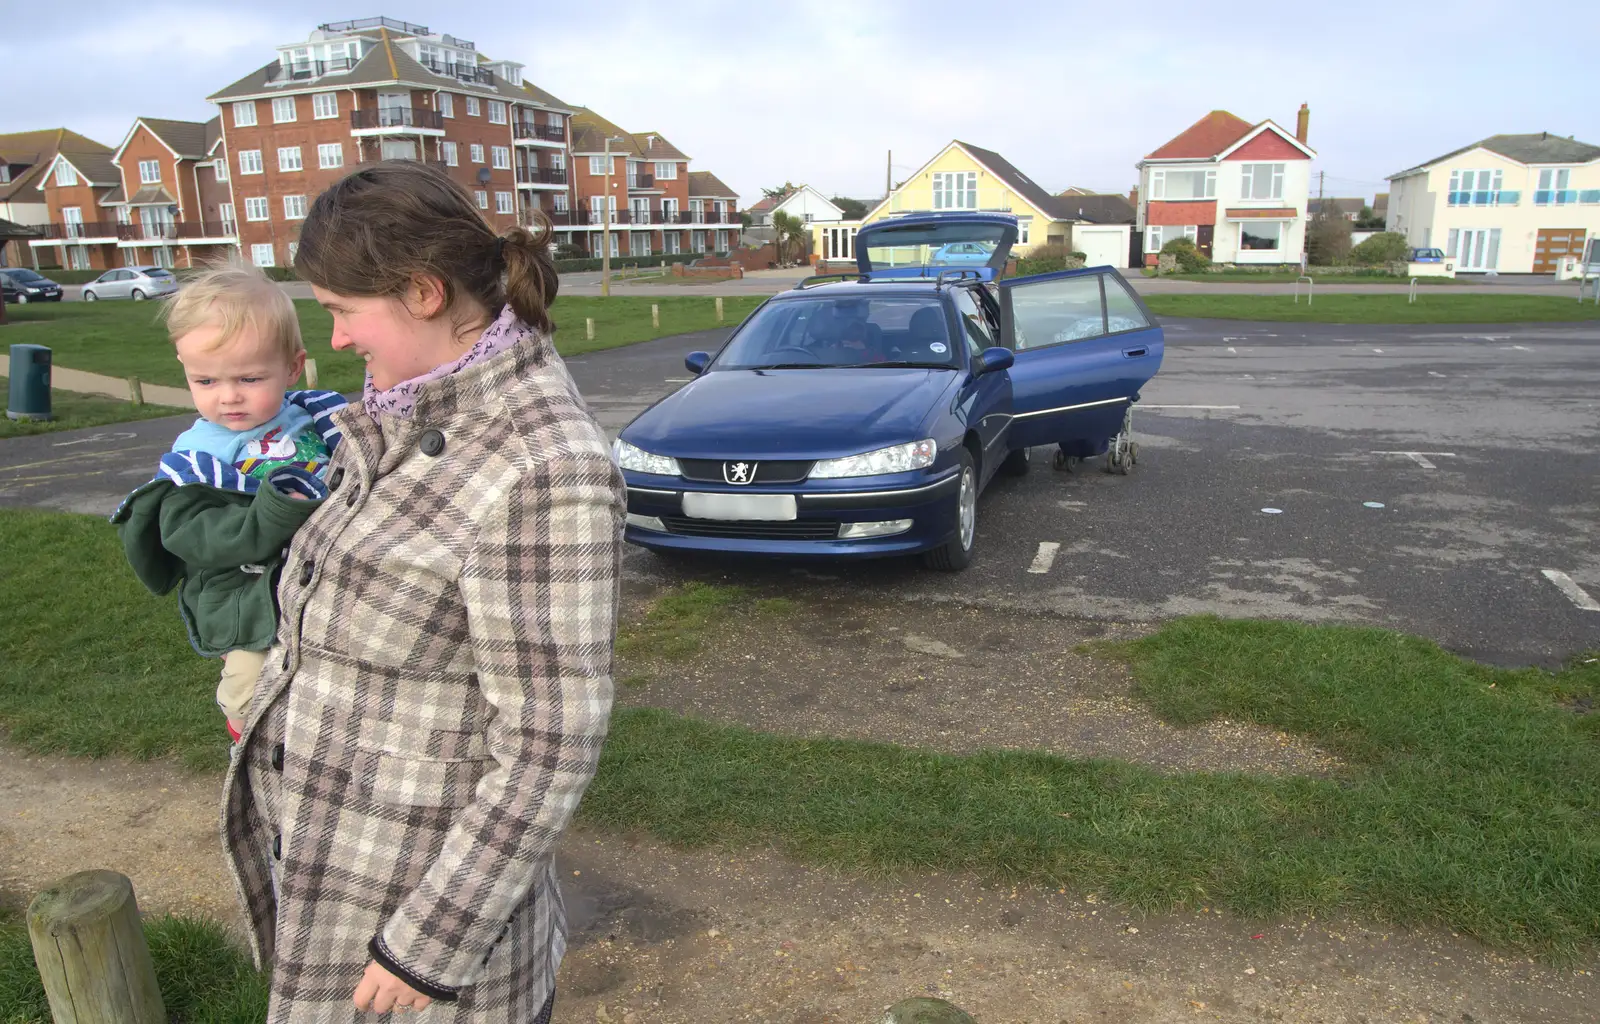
<point x="91" y="952"/>
<point x="588" y="328"/>
<point x="311" y="374"/>
<point x="655" y="316"/>
<point x="135" y="391"/>
<point x="719" y="309"/>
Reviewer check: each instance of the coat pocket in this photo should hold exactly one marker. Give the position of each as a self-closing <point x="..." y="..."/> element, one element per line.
<point x="424" y="782"/>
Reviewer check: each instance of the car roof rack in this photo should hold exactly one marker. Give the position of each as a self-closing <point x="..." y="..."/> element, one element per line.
<point x="807" y="282"/>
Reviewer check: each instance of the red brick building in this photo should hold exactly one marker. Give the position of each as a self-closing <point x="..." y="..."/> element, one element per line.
<point x="375" y="89"/>
<point x="24" y="159"/>
<point x="656" y="204"/>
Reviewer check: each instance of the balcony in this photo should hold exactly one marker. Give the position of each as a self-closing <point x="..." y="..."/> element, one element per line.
<point x="563" y="218"/>
<point x="94" y="229"/>
<point x="160" y="234"/>
<point x="459" y="71"/>
<point x="1485" y="198"/>
<point x="641" y="180"/>
<point x="405" y="28"/>
<point x="396" y="118"/>
<point x="541" y="175"/>
<point x="528" y="131"/>
<point x="303" y="70"/>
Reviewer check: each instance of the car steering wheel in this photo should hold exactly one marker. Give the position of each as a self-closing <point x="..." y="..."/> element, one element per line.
<point x="792" y="348"/>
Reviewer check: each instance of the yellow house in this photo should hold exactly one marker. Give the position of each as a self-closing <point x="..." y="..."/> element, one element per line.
<point x="965" y="177"/>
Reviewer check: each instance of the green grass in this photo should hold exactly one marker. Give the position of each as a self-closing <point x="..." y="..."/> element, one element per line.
<point x="74" y="411"/>
<point x="203" y="977"/>
<point x="1472" y="798"/>
<point x="125" y="340"/>
<point x="1378" y="309"/>
<point x="1321" y="279"/>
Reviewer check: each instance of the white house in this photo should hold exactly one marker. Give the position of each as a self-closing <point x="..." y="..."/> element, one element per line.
<point x="1512" y="204"/>
<point x="802" y="201"/>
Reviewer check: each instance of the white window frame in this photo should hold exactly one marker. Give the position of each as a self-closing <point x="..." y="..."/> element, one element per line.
<point x="1156" y="235"/>
<point x="219" y="167"/>
<point x="669" y="209"/>
<point x="497" y="112"/>
<point x="561" y="202"/>
<point x="256" y="209"/>
<point x="225" y="212"/>
<point x="505" y="202"/>
<point x="955" y="190"/>
<point x="325" y="150"/>
<point x="1023" y="224"/>
<point x="294" y="207"/>
<point x="451" y="154"/>
<point x="281" y="104"/>
<point x="597" y="165"/>
<point x="1283" y="235"/>
<point x="289" y="159"/>
<point x="1247" y="176"/>
<point x="558" y="159"/>
<point x="671" y="242"/>
<point x="261" y="255"/>
<point x="250" y="161"/>
<point x="1158" y="183"/>
<point x="66" y="175"/>
<point x="722" y="240"/>
<point x="476" y="151"/>
<point x="244" y="114"/>
<point x="697" y="213"/>
<point x="324" y="105"/>
<point x="472" y="106"/>
<point x="149" y="172"/>
<point x="483" y="199"/>
<point x="666" y="170"/>
<point x="447" y="105"/>
<point x="500" y="157"/>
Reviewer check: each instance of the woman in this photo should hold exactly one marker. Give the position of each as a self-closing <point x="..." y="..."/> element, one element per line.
<point x="440" y="687"/>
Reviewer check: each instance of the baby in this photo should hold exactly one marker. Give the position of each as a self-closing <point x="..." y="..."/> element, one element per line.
<point x="217" y="519"/>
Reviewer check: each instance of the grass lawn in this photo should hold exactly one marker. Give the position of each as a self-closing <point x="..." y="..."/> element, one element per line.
<point x="72" y="411"/>
<point x="1473" y="799"/>
<point x="123" y="339"/>
<point x="1288" y="277"/>
<point x="1432" y="308"/>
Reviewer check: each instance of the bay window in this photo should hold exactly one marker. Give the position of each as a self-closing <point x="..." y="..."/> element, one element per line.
<point x="1261" y="235"/>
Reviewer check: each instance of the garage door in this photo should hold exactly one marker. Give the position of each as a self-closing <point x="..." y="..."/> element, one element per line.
<point x="1554" y="243"/>
<point x="1102" y="247"/>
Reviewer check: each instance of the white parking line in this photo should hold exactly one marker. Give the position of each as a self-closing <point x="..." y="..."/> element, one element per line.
<point x="1378" y="350"/>
<point x="1419" y="457"/>
<point x="1576" y="594"/>
<point x="1141" y="405"/>
<point x="679" y="380"/>
<point x="1046" y="556"/>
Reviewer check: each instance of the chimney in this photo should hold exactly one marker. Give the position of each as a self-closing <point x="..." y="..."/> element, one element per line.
<point x="1302" y="123"/>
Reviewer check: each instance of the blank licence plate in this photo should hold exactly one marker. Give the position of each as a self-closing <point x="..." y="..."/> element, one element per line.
<point x="739" y="507"/>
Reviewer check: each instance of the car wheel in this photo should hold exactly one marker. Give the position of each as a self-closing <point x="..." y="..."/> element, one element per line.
<point x="956" y="554"/>
<point x="1017" y="463"/>
<point x="90" y="296"/>
<point x="138" y="296"/>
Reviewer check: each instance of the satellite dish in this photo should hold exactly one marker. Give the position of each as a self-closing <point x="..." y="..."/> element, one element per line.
<point x="483" y="175"/>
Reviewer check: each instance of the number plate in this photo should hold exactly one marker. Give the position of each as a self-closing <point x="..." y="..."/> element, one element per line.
<point x="739" y="507"/>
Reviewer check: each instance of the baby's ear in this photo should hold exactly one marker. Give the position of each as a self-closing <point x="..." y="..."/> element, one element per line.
<point x="297" y="365"/>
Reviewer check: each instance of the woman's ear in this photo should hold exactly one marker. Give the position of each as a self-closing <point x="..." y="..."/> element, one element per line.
<point x="425" y="297"/>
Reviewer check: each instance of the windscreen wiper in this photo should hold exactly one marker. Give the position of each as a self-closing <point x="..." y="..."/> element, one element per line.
<point x="899" y="365"/>
<point x="791" y="366"/>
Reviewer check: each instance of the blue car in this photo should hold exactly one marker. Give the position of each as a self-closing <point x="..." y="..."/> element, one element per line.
<point x="863" y="416"/>
<point x="962" y="254"/>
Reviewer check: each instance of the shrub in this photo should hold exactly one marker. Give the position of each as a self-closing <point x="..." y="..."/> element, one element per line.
<point x="1384" y="247"/>
<point x="1190" y="259"/>
<point x="569" y="251"/>
<point x="1328" y="238"/>
<point x="1045" y="259"/>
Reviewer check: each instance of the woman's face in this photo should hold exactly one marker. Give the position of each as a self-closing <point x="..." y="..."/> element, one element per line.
<point x="396" y="344"/>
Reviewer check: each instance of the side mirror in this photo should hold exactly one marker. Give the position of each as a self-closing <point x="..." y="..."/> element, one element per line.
<point x="696" y="362"/>
<point x="992" y="359"/>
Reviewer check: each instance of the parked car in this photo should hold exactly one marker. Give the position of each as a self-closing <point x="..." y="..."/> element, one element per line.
<point x="1426" y="256"/>
<point x="863" y="417"/>
<point x="20" y="285"/>
<point x="137" y="283"/>
<point x="962" y="254"/>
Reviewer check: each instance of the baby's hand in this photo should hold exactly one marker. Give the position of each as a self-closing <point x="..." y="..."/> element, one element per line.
<point x="297" y="496"/>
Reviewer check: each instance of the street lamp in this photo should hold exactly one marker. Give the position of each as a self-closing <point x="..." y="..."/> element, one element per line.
<point x="605" y="220"/>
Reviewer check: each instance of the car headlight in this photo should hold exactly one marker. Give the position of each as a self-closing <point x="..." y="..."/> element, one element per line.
<point x="901" y="458"/>
<point x="627" y="456"/>
<point x="32" y="290"/>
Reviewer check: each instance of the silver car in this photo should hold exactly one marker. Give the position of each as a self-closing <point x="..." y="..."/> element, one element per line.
<point x="136" y="283"/>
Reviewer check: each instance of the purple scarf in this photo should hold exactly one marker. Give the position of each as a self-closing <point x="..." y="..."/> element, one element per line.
<point x="400" y="401"/>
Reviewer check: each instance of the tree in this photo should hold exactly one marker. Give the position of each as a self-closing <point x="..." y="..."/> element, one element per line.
<point x="1328" y="237"/>
<point x="853" y="209"/>
<point x="788" y="230"/>
<point x="1367" y="220"/>
<point x="745" y="219"/>
<point x="1384" y="247"/>
<point x="779" y="191"/>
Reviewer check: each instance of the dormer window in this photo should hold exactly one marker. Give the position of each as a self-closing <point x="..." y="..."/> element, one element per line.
<point x="5" y="173"/>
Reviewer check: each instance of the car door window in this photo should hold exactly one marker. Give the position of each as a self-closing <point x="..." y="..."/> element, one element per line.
<point x="1057" y="312"/>
<point x="974" y="325"/>
<point x="1122" y="311"/>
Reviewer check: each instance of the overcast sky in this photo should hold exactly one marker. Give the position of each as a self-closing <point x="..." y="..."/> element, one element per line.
<point x="1072" y="93"/>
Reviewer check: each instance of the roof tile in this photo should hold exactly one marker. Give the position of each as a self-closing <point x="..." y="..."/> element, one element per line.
<point x="1205" y="138"/>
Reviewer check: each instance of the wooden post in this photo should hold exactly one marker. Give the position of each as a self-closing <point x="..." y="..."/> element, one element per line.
<point x="135" y="391"/>
<point x="655" y="316"/>
<point x="311" y="374"/>
<point x="91" y="952"/>
<point x="719" y="309"/>
<point x="588" y="328"/>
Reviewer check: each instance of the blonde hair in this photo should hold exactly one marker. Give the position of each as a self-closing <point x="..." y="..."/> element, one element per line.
<point x="231" y="296"/>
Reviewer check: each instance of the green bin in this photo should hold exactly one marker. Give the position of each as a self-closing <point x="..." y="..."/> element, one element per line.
<point x="30" y="383"/>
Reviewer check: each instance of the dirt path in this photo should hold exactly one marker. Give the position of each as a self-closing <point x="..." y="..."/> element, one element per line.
<point x="669" y="935"/>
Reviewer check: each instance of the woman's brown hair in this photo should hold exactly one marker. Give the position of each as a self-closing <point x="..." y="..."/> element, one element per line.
<point x="377" y="228"/>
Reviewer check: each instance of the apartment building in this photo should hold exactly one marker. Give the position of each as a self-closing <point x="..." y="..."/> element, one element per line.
<point x="1238" y="190"/>
<point x="24" y="159"/>
<point x="377" y="89"/>
<point x="1508" y="204"/>
<point x="654" y="203"/>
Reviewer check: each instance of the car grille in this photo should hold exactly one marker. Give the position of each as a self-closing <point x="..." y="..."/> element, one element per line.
<point x="775" y="472"/>
<point x="797" y="529"/>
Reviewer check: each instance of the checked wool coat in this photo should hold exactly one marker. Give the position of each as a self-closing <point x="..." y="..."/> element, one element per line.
<point x="435" y="702"/>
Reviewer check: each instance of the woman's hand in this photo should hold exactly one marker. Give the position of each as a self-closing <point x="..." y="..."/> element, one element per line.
<point x="381" y="992"/>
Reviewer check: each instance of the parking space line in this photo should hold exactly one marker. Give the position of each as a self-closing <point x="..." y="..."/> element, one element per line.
<point x="1045" y="558"/>
<point x="1141" y="405"/>
<point x="1420" y="458"/>
<point x="1568" y="586"/>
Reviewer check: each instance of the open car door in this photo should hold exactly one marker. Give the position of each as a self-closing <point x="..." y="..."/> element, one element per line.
<point x="1085" y="345"/>
<point x="930" y="244"/>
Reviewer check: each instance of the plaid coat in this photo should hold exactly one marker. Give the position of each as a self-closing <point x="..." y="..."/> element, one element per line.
<point x="435" y="702"/>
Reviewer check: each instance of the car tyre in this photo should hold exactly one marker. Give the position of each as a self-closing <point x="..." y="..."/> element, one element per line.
<point x="138" y="296"/>
<point x="956" y="553"/>
<point x="89" y="296"/>
<point x="1017" y="463"/>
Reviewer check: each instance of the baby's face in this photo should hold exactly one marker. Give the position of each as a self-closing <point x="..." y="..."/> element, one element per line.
<point x="238" y="385"/>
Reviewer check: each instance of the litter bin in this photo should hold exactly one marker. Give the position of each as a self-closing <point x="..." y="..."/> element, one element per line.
<point x="30" y="383"/>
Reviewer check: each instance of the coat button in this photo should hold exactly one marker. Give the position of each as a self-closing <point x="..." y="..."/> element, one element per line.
<point x="277" y="757"/>
<point x="277" y="846"/>
<point x="335" y="479"/>
<point x="432" y="443"/>
<point x="306" y="569"/>
<point x="353" y="496"/>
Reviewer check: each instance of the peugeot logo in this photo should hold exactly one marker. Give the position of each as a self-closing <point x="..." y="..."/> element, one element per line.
<point x="739" y="472"/>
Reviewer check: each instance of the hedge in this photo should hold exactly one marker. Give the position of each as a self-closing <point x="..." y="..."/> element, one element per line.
<point x="593" y="263"/>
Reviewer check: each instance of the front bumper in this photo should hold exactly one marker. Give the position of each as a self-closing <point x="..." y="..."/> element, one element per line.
<point x="823" y="509"/>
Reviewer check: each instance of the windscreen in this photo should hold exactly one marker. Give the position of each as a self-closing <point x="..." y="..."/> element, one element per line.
<point x="866" y="332"/>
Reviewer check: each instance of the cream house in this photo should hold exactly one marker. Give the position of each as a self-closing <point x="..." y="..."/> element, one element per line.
<point x="1512" y="204"/>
